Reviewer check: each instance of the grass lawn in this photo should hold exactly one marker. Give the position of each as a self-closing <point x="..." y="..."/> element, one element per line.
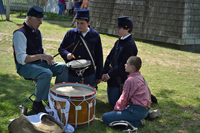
<point x="172" y="75"/>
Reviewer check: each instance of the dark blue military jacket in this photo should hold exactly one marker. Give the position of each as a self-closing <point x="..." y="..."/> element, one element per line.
<point x="126" y="48"/>
<point x="93" y="40"/>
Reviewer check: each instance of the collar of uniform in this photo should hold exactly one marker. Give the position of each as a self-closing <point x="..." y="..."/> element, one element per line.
<point x="28" y="28"/>
<point x="90" y="31"/>
<point x="126" y="37"/>
<point x="84" y="34"/>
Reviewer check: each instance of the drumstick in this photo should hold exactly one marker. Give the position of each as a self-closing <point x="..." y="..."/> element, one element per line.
<point x="75" y="47"/>
<point x="63" y="50"/>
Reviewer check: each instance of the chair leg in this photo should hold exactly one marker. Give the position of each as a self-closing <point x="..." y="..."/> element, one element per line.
<point x="23" y="108"/>
<point x="29" y="98"/>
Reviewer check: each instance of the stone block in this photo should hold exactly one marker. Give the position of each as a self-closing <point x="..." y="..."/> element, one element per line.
<point x="168" y="21"/>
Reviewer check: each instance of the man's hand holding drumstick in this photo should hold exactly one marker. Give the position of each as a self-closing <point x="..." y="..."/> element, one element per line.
<point x="50" y="59"/>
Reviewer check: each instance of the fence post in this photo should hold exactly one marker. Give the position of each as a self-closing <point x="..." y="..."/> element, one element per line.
<point x="7" y="10"/>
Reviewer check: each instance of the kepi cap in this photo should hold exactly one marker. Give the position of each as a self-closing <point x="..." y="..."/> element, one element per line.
<point x="124" y="22"/>
<point x="35" y="11"/>
<point x="83" y="14"/>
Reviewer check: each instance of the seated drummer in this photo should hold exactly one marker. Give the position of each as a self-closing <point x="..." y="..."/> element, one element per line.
<point x="31" y="60"/>
<point x="92" y="40"/>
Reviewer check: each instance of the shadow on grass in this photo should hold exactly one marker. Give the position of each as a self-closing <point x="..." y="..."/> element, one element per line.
<point x="18" y="24"/>
<point x="176" y="113"/>
<point x="14" y="89"/>
<point x="195" y="48"/>
<point x="63" y="24"/>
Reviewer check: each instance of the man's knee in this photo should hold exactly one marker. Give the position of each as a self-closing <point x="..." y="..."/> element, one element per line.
<point x="104" y="118"/>
<point x="46" y="74"/>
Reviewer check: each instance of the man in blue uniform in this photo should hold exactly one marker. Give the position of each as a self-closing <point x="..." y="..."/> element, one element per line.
<point x="114" y="72"/>
<point x="87" y="37"/>
<point x="31" y="60"/>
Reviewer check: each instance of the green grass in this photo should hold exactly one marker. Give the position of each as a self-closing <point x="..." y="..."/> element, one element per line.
<point x="172" y="75"/>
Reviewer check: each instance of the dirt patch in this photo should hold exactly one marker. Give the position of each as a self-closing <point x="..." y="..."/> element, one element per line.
<point x="52" y="39"/>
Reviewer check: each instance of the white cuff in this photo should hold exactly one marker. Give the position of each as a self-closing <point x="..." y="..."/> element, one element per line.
<point x="108" y="75"/>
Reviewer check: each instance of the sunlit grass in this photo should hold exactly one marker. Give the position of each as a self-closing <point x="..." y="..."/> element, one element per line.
<point x="172" y="75"/>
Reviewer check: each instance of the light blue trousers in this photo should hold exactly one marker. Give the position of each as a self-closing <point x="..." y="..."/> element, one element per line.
<point x="42" y="72"/>
<point x="133" y="114"/>
<point x="91" y="79"/>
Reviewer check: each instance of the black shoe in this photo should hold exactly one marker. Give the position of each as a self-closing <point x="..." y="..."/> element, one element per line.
<point x="38" y="107"/>
<point x="72" y="25"/>
<point x="154" y="99"/>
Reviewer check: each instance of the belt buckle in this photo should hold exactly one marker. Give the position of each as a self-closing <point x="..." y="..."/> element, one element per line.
<point x="110" y="66"/>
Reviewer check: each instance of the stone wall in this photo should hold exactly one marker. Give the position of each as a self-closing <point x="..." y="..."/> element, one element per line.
<point x="171" y="22"/>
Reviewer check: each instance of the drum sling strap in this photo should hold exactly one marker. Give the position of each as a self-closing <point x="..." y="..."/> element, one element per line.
<point x="144" y="81"/>
<point x="53" y="111"/>
<point x="89" y="53"/>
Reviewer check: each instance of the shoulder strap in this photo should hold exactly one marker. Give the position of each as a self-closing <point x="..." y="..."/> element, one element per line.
<point x="88" y="52"/>
<point x="148" y="97"/>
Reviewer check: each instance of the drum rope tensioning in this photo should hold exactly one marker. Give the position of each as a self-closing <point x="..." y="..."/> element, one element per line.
<point x="82" y="102"/>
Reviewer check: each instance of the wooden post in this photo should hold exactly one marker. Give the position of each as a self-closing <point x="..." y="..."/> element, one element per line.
<point x="7" y="10"/>
<point x="45" y="5"/>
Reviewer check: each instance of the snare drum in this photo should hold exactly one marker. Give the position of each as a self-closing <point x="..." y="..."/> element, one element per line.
<point x="82" y="102"/>
<point x="79" y="63"/>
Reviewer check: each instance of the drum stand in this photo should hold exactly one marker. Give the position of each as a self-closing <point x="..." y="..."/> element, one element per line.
<point x="80" y="72"/>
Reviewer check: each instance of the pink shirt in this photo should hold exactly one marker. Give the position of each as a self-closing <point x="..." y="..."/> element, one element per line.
<point x="134" y="91"/>
<point x="62" y="1"/>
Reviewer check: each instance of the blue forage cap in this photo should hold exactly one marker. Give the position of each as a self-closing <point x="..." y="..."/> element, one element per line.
<point x="35" y="11"/>
<point x="83" y="14"/>
<point x="125" y="22"/>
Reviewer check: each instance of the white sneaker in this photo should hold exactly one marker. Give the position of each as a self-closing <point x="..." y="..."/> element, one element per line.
<point x="142" y="122"/>
<point x="154" y="113"/>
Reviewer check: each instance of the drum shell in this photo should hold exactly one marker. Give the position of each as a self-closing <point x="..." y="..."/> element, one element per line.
<point x="79" y="117"/>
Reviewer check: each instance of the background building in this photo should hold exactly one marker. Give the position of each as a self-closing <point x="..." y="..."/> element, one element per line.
<point x="175" y="23"/>
<point x="165" y="22"/>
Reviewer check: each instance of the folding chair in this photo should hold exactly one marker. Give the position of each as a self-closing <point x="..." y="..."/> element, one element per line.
<point x="23" y="108"/>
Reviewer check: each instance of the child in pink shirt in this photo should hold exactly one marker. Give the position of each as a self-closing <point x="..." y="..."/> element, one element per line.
<point x="134" y="103"/>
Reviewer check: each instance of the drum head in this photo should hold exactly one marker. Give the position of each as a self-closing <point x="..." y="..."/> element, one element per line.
<point x="79" y="63"/>
<point x="73" y="90"/>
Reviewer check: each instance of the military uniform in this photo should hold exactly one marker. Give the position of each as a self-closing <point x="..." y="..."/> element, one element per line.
<point x="93" y="40"/>
<point x="114" y="64"/>
<point x="126" y="48"/>
<point x="28" y="41"/>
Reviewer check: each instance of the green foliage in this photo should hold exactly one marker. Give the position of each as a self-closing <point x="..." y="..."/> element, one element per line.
<point x="47" y="16"/>
<point x="55" y="16"/>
